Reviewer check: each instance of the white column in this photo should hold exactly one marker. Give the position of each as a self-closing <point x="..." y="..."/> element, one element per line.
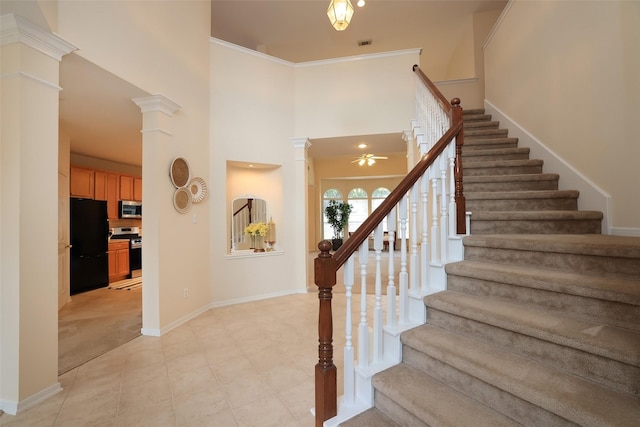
<point x="300" y="225"/>
<point x="157" y="111"/>
<point x="28" y="212"/>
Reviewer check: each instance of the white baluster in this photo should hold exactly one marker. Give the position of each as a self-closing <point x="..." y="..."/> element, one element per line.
<point x="452" y="189"/>
<point x="377" y="310"/>
<point x="435" y="232"/>
<point x="363" y="327"/>
<point x="349" y="363"/>
<point x="424" y="247"/>
<point x="391" y="287"/>
<point x="444" y="221"/>
<point x="414" y="270"/>
<point x="403" y="277"/>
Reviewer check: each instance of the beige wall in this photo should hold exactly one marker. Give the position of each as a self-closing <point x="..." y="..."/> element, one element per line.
<point x="567" y="73"/>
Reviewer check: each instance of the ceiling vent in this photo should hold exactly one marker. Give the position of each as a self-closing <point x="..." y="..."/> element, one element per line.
<point x="364" y="42"/>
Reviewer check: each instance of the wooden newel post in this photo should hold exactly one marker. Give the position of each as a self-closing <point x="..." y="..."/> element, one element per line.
<point x="461" y="208"/>
<point x="326" y="385"/>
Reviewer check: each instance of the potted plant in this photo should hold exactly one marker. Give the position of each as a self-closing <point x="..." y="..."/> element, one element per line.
<point x="337" y="214"/>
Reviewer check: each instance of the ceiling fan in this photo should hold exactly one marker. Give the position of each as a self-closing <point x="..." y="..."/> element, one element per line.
<point x="368" y="159"/>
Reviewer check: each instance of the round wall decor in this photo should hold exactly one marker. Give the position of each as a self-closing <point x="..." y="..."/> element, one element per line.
<point x="182" y="200"/>
<point x="198" y="189"/>
<point x="179" y="172"/>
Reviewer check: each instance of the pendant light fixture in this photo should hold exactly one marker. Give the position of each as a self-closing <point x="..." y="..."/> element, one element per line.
<point x="340" y="13"/>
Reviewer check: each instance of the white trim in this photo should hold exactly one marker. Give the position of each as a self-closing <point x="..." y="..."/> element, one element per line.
<point x="31" y="77"/>
<point x="252" y="52"/>
<point x="154" y="332"/>
<point x="367" y="56"/>
<point x="16" y="29"/>
<point x="456" y="81"/>
<point x="156" y="130"/>
<point x="592" y="196"/>
<point x="624" y="231"/>
<point x="158" y="102"/>
<point x="497" y="24"/>
<point x="12" y="407"/>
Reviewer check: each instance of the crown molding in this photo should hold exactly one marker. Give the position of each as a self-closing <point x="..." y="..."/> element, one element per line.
<point x="157" y="103"/>
<point x="16" y="29"/>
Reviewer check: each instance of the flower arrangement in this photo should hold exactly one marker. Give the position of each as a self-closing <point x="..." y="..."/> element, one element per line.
<point x="256" y="229"/>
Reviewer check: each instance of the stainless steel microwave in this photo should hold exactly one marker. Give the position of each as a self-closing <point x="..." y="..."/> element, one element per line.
<point x="129" y="209"/>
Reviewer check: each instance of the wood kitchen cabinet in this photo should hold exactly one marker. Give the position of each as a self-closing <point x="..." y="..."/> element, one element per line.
<point x="130" y="188"/>
<point x="107" y="188"/>
<point x="81" y="183"/>
<point x="118" y="254"/>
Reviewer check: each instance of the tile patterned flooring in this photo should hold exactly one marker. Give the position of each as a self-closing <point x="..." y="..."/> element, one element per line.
<point x="249" y="364"/>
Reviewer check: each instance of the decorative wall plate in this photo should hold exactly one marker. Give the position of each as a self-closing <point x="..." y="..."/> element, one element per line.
<point x="182" y="200"/>
<point x="198" y="189"/>
<point x="179" y="172"/>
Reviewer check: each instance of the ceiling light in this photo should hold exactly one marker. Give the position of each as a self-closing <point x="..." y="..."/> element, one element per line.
<point x="362" y="145"/>
<point x="361" y="3"/>
<point x="340" y="13"/>
<point x="361" y="162"/>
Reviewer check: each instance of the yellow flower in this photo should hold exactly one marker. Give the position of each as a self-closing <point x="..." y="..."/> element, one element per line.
<point x="256" y="229"/>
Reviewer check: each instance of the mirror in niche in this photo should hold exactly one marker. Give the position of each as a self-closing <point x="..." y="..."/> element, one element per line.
<point x="245" y="210"/>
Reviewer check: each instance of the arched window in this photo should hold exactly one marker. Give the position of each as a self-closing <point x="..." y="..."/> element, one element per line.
<point x="359" y="200"/>
<point x="377" y="197"/>
<point x="330" y="194"/>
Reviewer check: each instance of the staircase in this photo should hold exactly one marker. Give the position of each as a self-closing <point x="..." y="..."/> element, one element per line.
<point x="540" y="323"/>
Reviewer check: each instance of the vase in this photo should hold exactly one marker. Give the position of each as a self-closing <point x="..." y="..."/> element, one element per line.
<point x="258" y="243"/>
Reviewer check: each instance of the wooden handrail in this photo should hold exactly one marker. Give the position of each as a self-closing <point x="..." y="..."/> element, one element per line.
<point x="444" y="104"/>
<point x="369" y="225"/>
<point x="326" y="265"/>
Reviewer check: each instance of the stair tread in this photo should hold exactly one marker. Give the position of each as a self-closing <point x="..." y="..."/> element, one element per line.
<point x="534" y="215"/>
<point x="529" y="194"/>
<point x="511" y="178"/>
<point x="580" y="401"/>
<point x="617" y="289"/>
<point x="470" y="154"/>
<point x="607" y="341"/>
<point x="582" y="244"/>
<point x="501" y="163"/>
<point x="370" y="418"/>
<point x="434" y="402"/>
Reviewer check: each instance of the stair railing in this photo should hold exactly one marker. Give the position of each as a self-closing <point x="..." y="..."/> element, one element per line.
<point x="438" y="131"/>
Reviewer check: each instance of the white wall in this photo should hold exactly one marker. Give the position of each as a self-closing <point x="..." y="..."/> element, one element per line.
<point x="567" y="73"/>
<point x="355" y="96"/>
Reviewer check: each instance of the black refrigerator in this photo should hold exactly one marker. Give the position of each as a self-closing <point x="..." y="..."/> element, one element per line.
<point x="89" y="229"/>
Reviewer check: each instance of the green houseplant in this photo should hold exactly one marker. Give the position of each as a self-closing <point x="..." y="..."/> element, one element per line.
<point x="337" y="214"/>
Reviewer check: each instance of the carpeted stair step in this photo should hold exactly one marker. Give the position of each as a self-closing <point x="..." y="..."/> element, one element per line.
<point x="485" y="133"/>
<point x="596" y="254"/>
<point x="472" y="112"/>
<point x="478" y="155"/>
<point x="479" y="116"/>
<point x="480" y="124"/>
<point x="523" y="182"/>
<point x="370" y="418"/>
<point x="503" y="167"/>
<point x="412" y="398"/>
<point x="610" y="300"/>
<point x="606" y="354"/>
<point x="536" y="222"/>
<point x="489" y="144"/>
<point x="521" y="200"/>
<point x="525" y="390"/>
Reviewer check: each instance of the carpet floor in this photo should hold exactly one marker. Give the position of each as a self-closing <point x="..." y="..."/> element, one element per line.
<point x="95" y="322"/>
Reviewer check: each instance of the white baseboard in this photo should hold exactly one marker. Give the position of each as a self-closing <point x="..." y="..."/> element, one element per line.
<point x="13" y="407"/>
<point x="625" y="231"/>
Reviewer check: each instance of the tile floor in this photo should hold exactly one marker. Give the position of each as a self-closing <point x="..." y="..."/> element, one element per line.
<point x="249" y="364"/>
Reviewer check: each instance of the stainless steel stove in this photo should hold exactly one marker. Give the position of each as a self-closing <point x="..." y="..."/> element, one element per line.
<point x="135" y="247"/>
